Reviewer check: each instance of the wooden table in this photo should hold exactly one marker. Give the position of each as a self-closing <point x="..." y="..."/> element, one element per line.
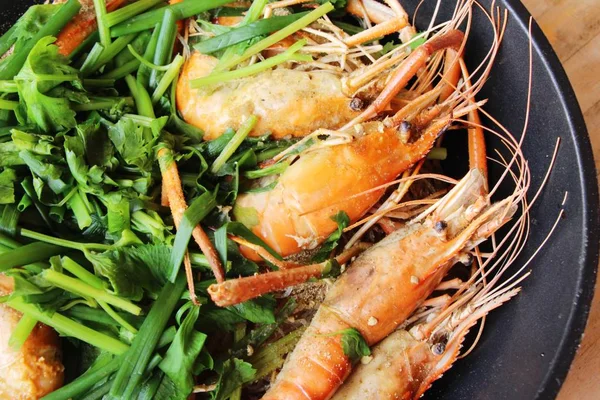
<point x="573" y="28"/>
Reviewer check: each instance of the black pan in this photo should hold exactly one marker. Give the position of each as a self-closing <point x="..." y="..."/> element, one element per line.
<point x="528" y="344"/>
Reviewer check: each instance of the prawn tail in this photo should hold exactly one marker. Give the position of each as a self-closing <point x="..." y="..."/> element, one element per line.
<point x="318" y="366"/>
<point x="451" y="350"/>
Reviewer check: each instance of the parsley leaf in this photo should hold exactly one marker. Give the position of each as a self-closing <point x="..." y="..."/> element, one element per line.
<point x="44" y="69"/>
<point x="342" y="219"/>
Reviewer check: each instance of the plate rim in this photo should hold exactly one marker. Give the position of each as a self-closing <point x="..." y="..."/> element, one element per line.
<point x="578" y="319"/>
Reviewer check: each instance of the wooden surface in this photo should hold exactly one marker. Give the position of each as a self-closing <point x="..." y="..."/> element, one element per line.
<point x="573" y="28"/>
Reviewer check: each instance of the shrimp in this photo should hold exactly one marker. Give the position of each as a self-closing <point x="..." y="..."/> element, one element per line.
<point x="292" y="216"/>
<point x="386" y="283"/>
<point x="82" y="25"/>
<point x="290" y="102"/>
<point x="405" y="364"/>
<point x="36" y="368"/>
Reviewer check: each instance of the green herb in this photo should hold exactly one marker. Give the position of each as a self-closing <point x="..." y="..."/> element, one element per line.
<point x="246" y="32"/>
<point x="134" y="365"/>
<point x="233" y="374"/>
<point x="291" y="54"/>
<point x="179" y="359"/>
<point x="129" y="11"/>
<point x="342" y="220"/>
<point x="197" y="210"/>
<point x="234" y="143"/>
<point x="103" y="28"/>
<point x="278" y="36"/>
<point x="164" y="46"/>
<point x="271" y="357"/>
<point x="10" y="66"/>
<point x="28" y="254"/>
<point x="182" y="10"/>
<point x="353" y="344"/>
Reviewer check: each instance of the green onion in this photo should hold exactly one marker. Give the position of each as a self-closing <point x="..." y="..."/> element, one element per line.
<point x="198" y="209"/>
<point x="234" y="143"/>
<point x="28" y="254"/>
<point x="185" y="9"/>
<point x="348" y="28"/>
<point x="13" y="64"/>
<point x="164" y="46"/>
<point x="68" y="327"/>
<point x="85" y="313"/>
<point x="122" y="71"/>
<point x="274" y="169"/>
<point x="145" y="62"/>
<point x="131" y="371"/>
<point x="83" y="289"/>
<point x="243" y="33"/>
<point x="130" y="11"/>
<point x="171" y="73"/>
<point x="103" y="28"/>
<point x="91" y="59"/>
<point x="83" y="383"/>
<point x="21" y="332"/>
<point x="143" y="75"/>
<point x="110" y="52"/>
<point x="278" y="36"/>
<point x="289" y="55"/>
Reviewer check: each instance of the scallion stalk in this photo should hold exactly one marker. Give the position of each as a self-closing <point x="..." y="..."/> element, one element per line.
<point x="277" y="36"/>
<point x="164" y="46"/>
<point x="103" y="28"/>
<point x="8" y="87"/>
<point x="145" y="62"/>
<point x="129" y="11"/>
<point x="131" y="371"/>
<point x="12" y="65"/>
<point x="234" y="143"/>
<point x="143" y="74"/>
<point x="8" y="105"/>
<point x="63" y="242"/>
<point x="219" y="77"/>
<point x="169" y="76"/>
<point x="147" y="20"/>
<point x="85" y="382"/>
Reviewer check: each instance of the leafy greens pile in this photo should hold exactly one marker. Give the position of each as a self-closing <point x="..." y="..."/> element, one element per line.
<point x="83" y="231"/>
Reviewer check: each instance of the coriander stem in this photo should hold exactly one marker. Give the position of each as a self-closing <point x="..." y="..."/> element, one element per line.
<point x="278" y="36"/>
<point x="167" y="78"/>
<point x="21" y="332"/>
<point x="121" y="72"/>
<point x="8" y="105"/>
<point x="62" y="242"/>
<point x="234" y="143"/>
<point x="68" y="327"/>
<point x="224" y="76"/>
<point x="81" y="288"/>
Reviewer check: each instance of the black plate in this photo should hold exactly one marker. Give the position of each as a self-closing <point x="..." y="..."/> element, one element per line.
<point x="529" y="343"/>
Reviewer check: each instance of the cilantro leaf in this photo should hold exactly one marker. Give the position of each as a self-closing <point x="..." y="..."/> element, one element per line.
<point x="133" y="142"/>
<point x="44" y="69"/>
<point x="342" y="219"/>
<point x="233" y="374"/>
<point x="7" y="186"/>
<point x="178" y="362"/>
<point x="353" y="344"/>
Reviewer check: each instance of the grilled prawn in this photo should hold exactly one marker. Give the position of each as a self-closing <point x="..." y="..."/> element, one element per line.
<point x="295" y="100"/>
